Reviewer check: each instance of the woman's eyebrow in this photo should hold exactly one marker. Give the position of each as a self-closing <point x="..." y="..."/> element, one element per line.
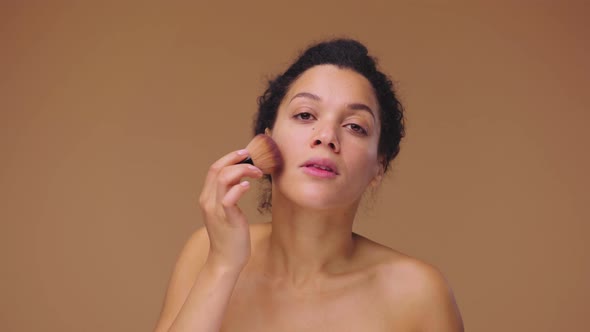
<point x="353" y="106"/>
<point x="306" y="95"/>
<point x="361" y="107"/>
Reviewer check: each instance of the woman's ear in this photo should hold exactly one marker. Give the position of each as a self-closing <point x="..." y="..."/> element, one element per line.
<point x="376" y="181"/>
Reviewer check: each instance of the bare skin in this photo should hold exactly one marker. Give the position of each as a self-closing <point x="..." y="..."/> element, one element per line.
<point x="305" y="270"/>
<point x="381" y="290"/>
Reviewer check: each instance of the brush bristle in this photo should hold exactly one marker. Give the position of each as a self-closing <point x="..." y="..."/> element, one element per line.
<point x="265" y="154"/>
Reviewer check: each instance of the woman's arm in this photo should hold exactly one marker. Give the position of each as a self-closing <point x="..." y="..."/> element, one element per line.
<point x="210" y="263"/>
<point x="198" y="292"/>
<point x="206" y="302"/>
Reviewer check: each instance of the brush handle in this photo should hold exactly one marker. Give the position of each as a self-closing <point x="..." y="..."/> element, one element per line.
<point x="247" y="161"/>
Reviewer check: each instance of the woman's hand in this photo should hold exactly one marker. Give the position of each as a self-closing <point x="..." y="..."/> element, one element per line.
<point x="227" y="227"/>
<point x="200" y="288"/>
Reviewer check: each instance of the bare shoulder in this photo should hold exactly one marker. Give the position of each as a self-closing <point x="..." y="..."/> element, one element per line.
<point x="412" y="286"/>
<point x="189" y="263"/>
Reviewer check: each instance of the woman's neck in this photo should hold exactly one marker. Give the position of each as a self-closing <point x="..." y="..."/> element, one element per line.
<point x="305" y="244"/>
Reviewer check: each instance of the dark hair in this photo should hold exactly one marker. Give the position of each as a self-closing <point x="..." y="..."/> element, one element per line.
<point x="348" y="54"/>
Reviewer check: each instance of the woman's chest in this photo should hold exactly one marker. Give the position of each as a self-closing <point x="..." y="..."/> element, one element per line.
<point x="260" y="309"/>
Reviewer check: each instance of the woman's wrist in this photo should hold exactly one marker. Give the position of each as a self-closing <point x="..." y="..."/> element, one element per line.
<point x="219" y="268"/>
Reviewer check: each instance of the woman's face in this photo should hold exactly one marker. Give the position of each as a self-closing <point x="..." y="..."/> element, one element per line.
<point x="327" y="128"/>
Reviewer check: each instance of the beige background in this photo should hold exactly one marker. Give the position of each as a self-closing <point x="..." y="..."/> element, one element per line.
<point x="111" y="112"/>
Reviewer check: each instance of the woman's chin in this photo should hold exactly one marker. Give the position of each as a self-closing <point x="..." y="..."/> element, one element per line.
<point x="317" y="199"/>
<point x="314" y="195"/>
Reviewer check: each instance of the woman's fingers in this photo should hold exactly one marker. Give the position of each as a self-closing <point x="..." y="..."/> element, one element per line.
<point x="231" y="175"/>
<point x="226" y="225"/>
<point x="224" y="173"/>
<point x="229" y="202"/>
<point x="229" y="159"/>
<point x="224" y="178"/>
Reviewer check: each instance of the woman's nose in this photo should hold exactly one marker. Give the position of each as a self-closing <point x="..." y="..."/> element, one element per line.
<point x="326" y="136"/>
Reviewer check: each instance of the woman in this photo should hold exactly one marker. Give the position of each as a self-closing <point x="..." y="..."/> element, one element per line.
<point x="338" y="124"/>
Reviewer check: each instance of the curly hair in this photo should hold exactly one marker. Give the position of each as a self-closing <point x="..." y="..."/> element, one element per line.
<point x="346" y="54"/>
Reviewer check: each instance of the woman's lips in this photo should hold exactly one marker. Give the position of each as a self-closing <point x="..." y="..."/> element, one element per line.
<point x="320" y="167"/>
<point x="319" y="172"/>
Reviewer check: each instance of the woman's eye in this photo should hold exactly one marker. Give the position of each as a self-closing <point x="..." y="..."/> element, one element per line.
<point x="357" y="129"/>
<point x="304" y="116"/>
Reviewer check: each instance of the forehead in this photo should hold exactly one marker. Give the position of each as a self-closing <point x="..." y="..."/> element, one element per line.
<point x="334" y="85"/>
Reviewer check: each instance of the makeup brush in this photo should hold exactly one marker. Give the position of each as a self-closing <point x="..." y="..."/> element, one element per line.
<point x="264" y="154"/>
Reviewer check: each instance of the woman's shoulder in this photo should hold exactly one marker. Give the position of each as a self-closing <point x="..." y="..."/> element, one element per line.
<point x="391" y="268"/>
<point x="410" y="283"/>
